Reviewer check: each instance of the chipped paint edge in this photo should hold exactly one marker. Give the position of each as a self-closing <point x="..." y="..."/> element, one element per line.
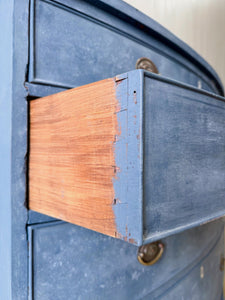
<point x="128" y="184"/>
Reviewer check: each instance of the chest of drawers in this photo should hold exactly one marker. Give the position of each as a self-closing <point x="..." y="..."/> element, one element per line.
<point x="51" y="46"/>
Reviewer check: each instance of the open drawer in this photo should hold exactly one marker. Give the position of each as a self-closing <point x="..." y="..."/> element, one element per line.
<point x="137" y="157"/>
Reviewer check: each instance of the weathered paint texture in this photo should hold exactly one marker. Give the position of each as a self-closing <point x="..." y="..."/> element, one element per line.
<point x="184" y="157"/>
<point x="75" y="43"/>
<point x="71" y="262"/>
<point x="128" y="186"/>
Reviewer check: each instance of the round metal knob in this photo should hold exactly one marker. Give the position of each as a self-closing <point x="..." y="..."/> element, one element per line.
<point x="149" y="254"/>
<point x="146" y="64"/>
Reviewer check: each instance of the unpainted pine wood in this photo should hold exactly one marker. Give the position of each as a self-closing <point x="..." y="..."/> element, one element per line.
<point x="72" y="159"/>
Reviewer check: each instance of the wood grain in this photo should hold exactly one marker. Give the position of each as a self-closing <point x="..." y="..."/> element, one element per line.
<point x="72" y="159"/>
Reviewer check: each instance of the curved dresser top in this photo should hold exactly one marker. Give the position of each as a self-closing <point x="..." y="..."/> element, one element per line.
<point x="139" y="19"/>
<point x="73" y="43"/>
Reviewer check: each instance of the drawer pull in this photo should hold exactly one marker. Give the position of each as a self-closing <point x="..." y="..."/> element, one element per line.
<point x="146" y="64"/>
<point x="149" y="254"/>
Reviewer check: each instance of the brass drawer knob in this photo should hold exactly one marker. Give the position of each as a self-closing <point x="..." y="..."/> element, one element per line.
<point x="146" y="64"/>
<point x="149" y="254"/>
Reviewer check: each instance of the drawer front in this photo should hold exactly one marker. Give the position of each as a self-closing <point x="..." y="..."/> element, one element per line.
<point x="73" y="43"/>
<point x="138" y="157"/>
<point x="69" y="262"/>
<point x="184" y="157"/>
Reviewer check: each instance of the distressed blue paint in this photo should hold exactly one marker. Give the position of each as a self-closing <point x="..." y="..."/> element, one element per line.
<point x="19" y="152"/>
<point x="6" y="49"/>
<point x="128" y="151"/>
<point x="121" y="206"/>
<point x="184" y="157"/>
<point x="140" y="20"/>
<point x="190" y="283"/>
<point x="135" y="152"/>
<point x="112" y="271"/>
<point x="95" y="38"/>
<point x="67" y="261"/>
<point x="13" y="148"/>
<point x="181" y="130"/>
<point x="35" y="217"/>
<point x="37" y="90"/>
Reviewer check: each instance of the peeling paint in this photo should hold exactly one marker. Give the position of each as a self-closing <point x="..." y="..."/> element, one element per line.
<point x="127" y="186"/>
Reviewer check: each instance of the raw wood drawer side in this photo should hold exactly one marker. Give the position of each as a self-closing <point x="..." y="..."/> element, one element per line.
<point x="72" y="161"/>
<point x="85" y="160"/>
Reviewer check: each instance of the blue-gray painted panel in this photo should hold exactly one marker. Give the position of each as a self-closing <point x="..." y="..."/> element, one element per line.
<point x="6" y="50"/>
<point x="35" y="217"/>
<point x="40" y="90"/>
<point x="199" y="281"/>
<point x="128" y="209"/>
<point x="133" y="16"/>
<point x="13" y="149"/>
<point x="72" y="261"/>
<point x="70" y="48"/>
<point x="64" y="265"/>
<point x="19" y="271"/>
<point x="184" y="157"/>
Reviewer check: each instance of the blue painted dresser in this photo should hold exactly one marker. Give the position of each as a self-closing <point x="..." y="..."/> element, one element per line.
<point x="49" y="46"/>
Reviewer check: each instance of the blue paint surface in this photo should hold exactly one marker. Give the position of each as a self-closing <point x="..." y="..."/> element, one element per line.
<point x="19" y="271"/>
<point x="73" y="43"/>
<point x="13" y="149"/>
<point x="128" y="153"/>
<point x="70" y="262"/>
<point x="67" y="261"/>
<point x="170" y="155"/>
<point x="184" y="161"/>
<point x="133" y="16"/>
<point x="6" y="37"/>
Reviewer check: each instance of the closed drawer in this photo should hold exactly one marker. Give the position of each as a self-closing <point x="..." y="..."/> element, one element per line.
<point x="73" y="43"/>
<point x="137" y="157"/>
<point x="68" y="262"/>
